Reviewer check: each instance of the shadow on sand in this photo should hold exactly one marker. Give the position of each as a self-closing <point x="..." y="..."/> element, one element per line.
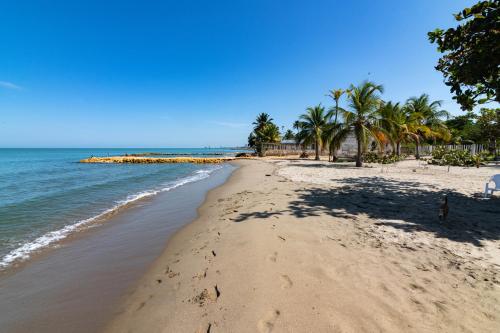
<point x="414" y="204"/>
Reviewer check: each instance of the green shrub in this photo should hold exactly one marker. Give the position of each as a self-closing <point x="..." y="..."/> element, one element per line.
<point x="486" y="156"/>
<point x="453" y="157"/>
<point x="372" y="157"/>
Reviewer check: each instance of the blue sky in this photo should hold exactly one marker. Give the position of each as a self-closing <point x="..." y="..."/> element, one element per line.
<point x="196" y="73"/>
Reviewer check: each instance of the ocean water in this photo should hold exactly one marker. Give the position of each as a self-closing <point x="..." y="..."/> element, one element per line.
<point x="46" y="195"/>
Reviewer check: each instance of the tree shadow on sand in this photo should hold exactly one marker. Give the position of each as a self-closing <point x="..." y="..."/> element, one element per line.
<point x="404" y="205"/>
<point x="257" y="215"/>
<point x="314" y="164"/>
<point x="470" y="219"/>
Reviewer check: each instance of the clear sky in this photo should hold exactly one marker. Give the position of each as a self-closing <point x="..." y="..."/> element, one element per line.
<point x="196" y="73"/>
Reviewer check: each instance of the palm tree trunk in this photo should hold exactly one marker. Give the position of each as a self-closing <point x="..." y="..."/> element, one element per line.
<point x="359" y="163"/>
<point x="336" y="110"/>
<point x="417" y="153"/>
<point x="316" y="146"/>
<point x="398" y="148"/>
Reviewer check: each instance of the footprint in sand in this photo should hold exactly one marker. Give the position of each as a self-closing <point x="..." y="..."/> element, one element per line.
<point x="286" y="282"/>
<point x="267" y="324"/>
<point x="273" y="257"/>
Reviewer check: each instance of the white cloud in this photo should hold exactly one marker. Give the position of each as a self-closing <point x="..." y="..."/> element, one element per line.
<point x="9" y="85"/>
<point x="228" y="124"/>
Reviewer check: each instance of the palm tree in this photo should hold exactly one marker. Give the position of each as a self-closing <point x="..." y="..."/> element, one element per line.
<point x="252" y="140"/>
<point x="335" y="95"/>
<point x="312" y="125"/>
<point x="395" y="122"/>
<point x="289" y="135"/>
<point x="262" y="120"/>
<point x="424" y="119"/>
<point x="261" y="134"/>
<point x="296" y="125"/>
<point x="362" y="117"/>
<point x="270" y="133"/>
<point x="332" y="137"/>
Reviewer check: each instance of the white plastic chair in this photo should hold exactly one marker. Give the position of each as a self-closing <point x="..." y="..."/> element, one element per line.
<point x="489" y="190"/>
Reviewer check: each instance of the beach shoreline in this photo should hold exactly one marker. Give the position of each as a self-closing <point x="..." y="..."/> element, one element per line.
<point x="272" y="250"/>
<point x="91" y="270"/>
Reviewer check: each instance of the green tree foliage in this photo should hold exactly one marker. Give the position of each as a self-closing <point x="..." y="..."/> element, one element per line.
<point x="262" y="120"/>
<point x="489" y="125"/>
<point x="471" y="54"/>
<point x="362" y="115"/>
<point x="336" y="133"/>
<point x="463" y="129"/>
<point x="336" y="94"/>
<point x="265" y="131"/>
<point x="289" y="135"/>
<point x="425" y="120"/>
<point x="270" y="133"/>
<point x="393" y="119"/>
<point x="312" y="124"/>
<point x="471" y="128"/>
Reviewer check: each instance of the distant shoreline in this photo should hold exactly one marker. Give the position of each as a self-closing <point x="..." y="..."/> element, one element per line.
<point x="153" y="160"/>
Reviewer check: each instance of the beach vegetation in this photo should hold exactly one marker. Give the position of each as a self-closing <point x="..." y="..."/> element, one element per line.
<point x="335" y="133"/>
<point x="481" y="128"/>
<point x="362" y="115"/>
<point x="394" y="121"/>
<point x="289" y="135"/>
<point x="453" y="157"/>
<point x="425" y="121"/>
<point x="264" y="131"/>
<point x="471" y="54"/>
<point x="312" y="126"/>
<point x="262" y="120"/>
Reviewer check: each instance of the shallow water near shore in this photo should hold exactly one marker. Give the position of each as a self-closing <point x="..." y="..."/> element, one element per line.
<point x="46" y="195"/>
<point x="76" y="286"/>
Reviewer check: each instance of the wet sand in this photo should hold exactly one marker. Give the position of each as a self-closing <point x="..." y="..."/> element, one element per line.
<point x="308" y="246"/>
<point x="77" y="287"/>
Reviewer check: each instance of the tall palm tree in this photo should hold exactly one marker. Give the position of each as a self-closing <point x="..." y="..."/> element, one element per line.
<point x="289" y="135"/>
<point x="262" y="120"/>
<point x="270" y="133"/>
<point x="334" y="134"/>
<point x="261" y="134"/>
<point x="296" y="125"/>
<point x="396" y="124"/>
<point x="425" y="120"/>
<point x="362" y="117"/>
<point x="312" y="125"/>
<point x="332" y="137"/>
<point x="336" y="94"/>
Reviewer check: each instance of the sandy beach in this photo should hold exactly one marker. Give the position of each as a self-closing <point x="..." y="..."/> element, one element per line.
<point x="307" y="246"/>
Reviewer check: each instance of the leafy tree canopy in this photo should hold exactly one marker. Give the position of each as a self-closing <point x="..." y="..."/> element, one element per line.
<point x="489" y="123"/>
<point x="471" y="54"/>
<point x="289" y="135"/>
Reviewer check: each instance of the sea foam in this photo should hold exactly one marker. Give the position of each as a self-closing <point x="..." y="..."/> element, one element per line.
<point x="24" y="251"/>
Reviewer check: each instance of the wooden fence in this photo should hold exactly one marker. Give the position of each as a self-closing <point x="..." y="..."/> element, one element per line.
<point x="349" y="149"/>
<point x="427" y="149"/>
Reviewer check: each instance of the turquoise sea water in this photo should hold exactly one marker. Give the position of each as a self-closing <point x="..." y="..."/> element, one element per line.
<point x="45" y="194"/>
